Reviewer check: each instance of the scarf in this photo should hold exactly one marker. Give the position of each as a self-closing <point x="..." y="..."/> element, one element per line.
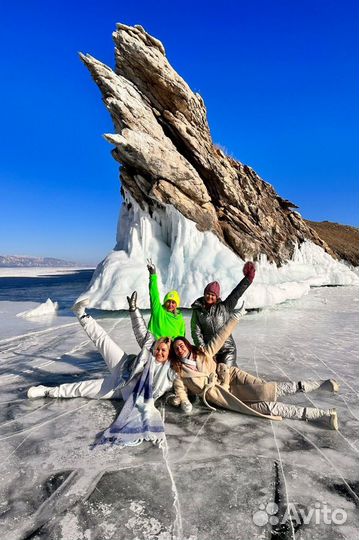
<point x="190" y="362"/>
<point x="139" y="420"/>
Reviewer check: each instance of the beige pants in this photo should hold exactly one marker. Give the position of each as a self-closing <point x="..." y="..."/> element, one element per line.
<point x="285" y="410"/>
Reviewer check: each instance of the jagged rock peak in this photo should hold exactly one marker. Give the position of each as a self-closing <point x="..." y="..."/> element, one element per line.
<point x="141" y="32"/>
<point x="163" y="142"/>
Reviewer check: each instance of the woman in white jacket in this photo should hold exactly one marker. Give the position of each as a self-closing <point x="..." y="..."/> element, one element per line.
<point x="122" y="366"/>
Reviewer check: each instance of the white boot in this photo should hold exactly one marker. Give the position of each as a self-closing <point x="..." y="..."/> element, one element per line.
<point x="40" y="391"/>
<point x="309" y="386"/>
<point x="79" y="307"/>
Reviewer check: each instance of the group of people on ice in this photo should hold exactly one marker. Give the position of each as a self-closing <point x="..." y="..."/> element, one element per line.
<point x="170" y="362"/>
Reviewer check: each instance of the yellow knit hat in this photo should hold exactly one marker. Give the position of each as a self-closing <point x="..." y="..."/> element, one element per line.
<point x="172" y="295"/>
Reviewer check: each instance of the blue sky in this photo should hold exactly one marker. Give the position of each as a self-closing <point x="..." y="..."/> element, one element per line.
<point x="279" y="79"/>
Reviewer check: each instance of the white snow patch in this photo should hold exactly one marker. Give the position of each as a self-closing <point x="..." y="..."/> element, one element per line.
<point x="187" y="259"/>
<point x="47" y="308"/>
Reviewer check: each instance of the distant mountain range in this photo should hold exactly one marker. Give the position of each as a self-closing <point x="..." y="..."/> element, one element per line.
<point x="11" y="261"/>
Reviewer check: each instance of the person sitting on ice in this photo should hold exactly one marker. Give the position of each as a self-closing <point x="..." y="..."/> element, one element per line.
<point x="232" y="388"/>
<point x="209" y="313"/>
<point x="166" y="319"/>
<point x="137" y="379"/>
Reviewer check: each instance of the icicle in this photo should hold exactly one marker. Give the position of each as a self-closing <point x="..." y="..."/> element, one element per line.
<point x="187" y="259"/>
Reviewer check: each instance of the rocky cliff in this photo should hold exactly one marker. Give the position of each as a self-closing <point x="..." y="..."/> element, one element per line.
<point x="342" y="239"/>
<point x="163" y="142"/>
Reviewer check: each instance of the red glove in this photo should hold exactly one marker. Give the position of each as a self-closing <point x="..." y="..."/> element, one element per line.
<point x="249" y="270"/>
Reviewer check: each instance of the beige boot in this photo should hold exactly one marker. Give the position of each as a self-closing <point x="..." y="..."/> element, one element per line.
<point x="334" y="422"/>
<point x="309" y="386"/>
<point x="331" y="385"/>
<point x="327" y="418"/>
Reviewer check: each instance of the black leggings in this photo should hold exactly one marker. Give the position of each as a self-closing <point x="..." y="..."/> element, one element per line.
<point x="227" y="357"/>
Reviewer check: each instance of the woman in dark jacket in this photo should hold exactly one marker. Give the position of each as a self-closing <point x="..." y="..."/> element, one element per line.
<point x="210" y="313"/>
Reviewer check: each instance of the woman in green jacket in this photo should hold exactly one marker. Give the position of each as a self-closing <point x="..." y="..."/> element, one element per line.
<point x="166" y="319"/>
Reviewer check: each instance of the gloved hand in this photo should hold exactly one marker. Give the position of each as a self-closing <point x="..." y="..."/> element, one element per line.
<point x="173" y="400"/>
<point x="151" y="267"/>
<point x="132" y="301"/>
<point x="223" y="375"/>
<point x="249" y="270"/>
<point x="186" y="407"/>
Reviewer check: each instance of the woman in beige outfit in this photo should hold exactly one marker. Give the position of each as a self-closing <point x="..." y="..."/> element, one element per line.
<point x="231" y="388"/>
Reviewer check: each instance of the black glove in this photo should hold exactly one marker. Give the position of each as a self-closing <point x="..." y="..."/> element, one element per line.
<point x="151" y="267"/>
<point x="132" y="301"/>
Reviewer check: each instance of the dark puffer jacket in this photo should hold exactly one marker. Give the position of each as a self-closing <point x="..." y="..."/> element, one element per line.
<point x="205" y="323"/>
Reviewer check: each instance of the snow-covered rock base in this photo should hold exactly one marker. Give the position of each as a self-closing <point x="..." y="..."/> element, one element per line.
<point x="187" y="259"/>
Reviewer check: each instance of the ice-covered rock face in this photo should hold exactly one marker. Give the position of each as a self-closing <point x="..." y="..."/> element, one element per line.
<point x="187" y="259"/>
<point x="165" y="147"/>
<point x="197" y="213"/>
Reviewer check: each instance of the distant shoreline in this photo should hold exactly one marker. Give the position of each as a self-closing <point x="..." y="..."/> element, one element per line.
<point x="32" y="271"/>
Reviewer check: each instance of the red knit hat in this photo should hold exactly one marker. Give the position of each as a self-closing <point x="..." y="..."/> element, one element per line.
<point x="214" y="288"/>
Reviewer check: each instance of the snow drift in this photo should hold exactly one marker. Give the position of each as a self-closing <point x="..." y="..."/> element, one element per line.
<point x="187" y="259"/>
<point x="46" y="308"/>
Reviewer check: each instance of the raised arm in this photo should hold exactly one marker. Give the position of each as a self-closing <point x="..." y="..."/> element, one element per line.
<point x="215" y="344"/>
<point x="196" y="331"/>
<point x="139" y="327"/>
<point x="153" y="287"/>
<point x="143" y="337"/>
<point x="249" y="271"/>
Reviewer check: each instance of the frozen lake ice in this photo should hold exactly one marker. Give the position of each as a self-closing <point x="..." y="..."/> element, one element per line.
<point x="222" y="475"/>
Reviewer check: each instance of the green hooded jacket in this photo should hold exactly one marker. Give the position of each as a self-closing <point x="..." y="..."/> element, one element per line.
<point x="163" y="323"/>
